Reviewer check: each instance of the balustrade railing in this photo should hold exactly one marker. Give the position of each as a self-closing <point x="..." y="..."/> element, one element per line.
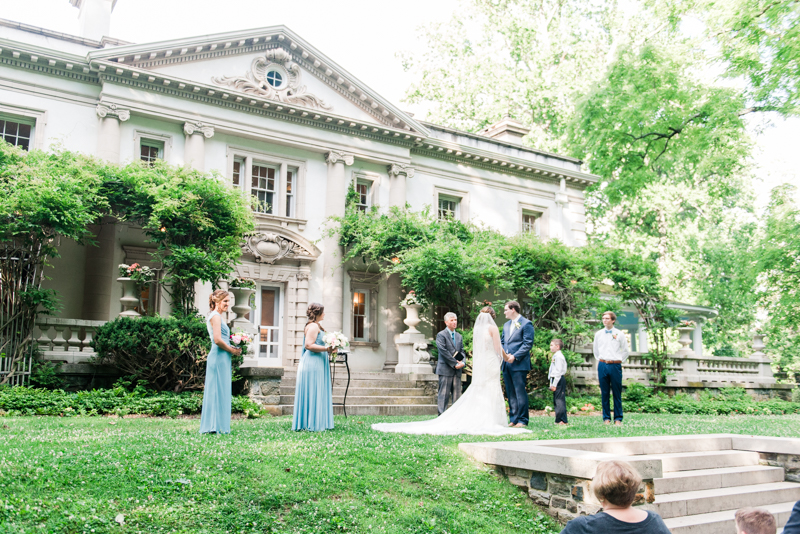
<point x="66" y="340"/>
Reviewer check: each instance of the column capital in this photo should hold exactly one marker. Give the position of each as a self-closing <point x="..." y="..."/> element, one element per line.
<point x="112" y="110"/>
<point x="396" y="169"/>
<point x="193" y="127"/>
<point x="335" y="156"/>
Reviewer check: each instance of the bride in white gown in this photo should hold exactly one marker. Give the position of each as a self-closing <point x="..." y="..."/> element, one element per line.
<point x="481" y="409"/>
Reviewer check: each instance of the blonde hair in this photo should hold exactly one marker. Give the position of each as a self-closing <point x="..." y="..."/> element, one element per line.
<point x="755" y="521"/>
<point x="616" y="482"/>
<point x="217" y="296"/>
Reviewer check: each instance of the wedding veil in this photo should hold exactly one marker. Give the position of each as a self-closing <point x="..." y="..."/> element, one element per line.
<point x="480" y="333"/>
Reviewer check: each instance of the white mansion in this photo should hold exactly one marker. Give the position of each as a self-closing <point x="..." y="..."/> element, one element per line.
<point x="283" y="122"/>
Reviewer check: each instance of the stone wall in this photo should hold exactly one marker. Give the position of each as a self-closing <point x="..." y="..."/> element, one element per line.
<point x="564" y="497"/>
<point x="263" y="385"/>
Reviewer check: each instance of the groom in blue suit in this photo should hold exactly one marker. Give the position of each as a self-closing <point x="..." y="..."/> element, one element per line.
<point x="517" y="341"/>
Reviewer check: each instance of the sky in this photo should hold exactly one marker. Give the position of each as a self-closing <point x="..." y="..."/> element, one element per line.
<point x="363" y="36"/>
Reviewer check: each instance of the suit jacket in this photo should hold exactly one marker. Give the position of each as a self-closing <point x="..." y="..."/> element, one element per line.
<point x="446" y="365"/>
<point x="793" y="525"/>
<point x="518" y="343"/>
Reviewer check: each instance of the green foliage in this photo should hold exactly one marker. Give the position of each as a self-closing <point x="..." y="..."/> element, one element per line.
<point x="167" y="352"/>
<point x="117" y="401"/>
<point x="636" y="392"/>
<point x="45" y="375"/>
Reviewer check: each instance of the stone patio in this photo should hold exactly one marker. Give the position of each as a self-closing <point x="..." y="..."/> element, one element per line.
<point x="696" y="482"/>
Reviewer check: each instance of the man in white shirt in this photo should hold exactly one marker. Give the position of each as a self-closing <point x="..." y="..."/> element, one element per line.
<point x="610" y="350"/>
<point x="558" y="381"/>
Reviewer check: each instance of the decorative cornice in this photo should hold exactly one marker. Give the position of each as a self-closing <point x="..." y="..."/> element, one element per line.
<point x="335" y="156"/>
<point x="112" y="110"/>
<point x="46" y="61"/>
<point x="396" y="169"/>
<point x="193" y="127"/>
<point x="269" y="247"/>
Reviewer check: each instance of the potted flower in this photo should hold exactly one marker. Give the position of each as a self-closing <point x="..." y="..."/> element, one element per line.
<point x="685" y="328"/>
<point x="758" y="342"/>
<point x="133" y="278"/>
<point x="412" y="306"/>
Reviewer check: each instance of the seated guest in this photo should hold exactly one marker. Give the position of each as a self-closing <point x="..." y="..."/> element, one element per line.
<point x="755" y="521"/>
<point x="793" y="525"/>
<point x="615" y="485"/>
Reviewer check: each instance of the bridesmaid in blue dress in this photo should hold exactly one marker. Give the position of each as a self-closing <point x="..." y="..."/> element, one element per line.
<point x="216" y="415"/>
<point x="313" y="399"/>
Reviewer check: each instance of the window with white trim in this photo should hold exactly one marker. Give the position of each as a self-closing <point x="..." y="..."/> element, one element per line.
<point x="448" y="207"/>
<point x="360" y="310"/>
<point x="151" y="150"/>
<point x="263" y="187"/>
<point x="363" y="200"/>
<point x="364" y="306"/>
<point x="238" y="173"/>
<point x="530" y="222"/>
<point x="17" y="131"/>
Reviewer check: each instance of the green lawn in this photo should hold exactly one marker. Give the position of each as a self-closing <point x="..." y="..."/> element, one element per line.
<point x="77" y="474"/>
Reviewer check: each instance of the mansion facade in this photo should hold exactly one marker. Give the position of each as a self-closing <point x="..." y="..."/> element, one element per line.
<point x="284" y="123"/>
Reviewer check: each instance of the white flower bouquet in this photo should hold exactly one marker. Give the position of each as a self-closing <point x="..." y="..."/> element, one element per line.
<point x="240" y="340"/>
<point x="336" y="340"/>
<point x="410" y="299"/>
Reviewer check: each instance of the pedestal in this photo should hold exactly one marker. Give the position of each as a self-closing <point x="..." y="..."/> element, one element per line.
<point x="685" y="341"/>
<point x="408" y="360"/>
<point x="130" y="298"/>
<point x="241" y="306"/>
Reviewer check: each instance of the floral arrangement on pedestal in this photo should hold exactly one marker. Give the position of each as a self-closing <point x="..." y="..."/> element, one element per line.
<point x="410" y="300"/>
<point x="687" y="324"/>
<point x="141" y="274"/>
<point x="244" y="283"/>
<point x="336" y="340"/>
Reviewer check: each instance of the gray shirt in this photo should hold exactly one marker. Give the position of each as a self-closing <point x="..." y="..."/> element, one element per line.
<point x="602" y="523"/>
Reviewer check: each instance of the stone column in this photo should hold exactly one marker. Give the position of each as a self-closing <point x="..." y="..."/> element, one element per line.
<point x="333" y="275"/>
<point x="394" y="316"/>
<point x="697" y="336"/>
<point x="642" y="333"/>
<point x="108" y="138"/>
<point x="99" y="273"/>
<point x="194" y="152"/>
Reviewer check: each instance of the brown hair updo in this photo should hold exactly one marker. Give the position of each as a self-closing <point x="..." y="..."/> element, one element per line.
<point x="217" y="296"/>
<point x="314" y="310"/>
<point x="490" y="311"/>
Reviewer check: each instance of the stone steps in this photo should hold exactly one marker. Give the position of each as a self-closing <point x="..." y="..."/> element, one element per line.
<point x="338" y="391"/>
<point x="365" y="401"/>
<point x="691" y="461"/>
<point x="690" y="503"/>
<point x="723" y="477"/>
<point x="375" y="409"/>
<point x="358" y="383"/>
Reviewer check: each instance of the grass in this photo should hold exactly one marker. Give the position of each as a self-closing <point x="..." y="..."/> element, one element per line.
<point x="75" y="475"/>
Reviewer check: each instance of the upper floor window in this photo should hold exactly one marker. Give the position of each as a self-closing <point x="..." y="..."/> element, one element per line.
<point x="275" y="183"/>
<point x="150" y="150"/>
<point x="363" y="191"/>
<point x="448" y="208"/>
<point x="530" y="223"/>
<point x="18" y="133"/>
<point x="150" y="146"/>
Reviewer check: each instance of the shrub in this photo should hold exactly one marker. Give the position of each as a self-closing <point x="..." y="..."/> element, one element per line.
<point x="636" y="392"/>
<point x="168" y="352"/>
<point x="116" y="401"/>
<point x="45" y="375"/>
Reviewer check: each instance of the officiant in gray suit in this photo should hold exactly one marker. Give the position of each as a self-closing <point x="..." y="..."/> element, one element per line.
<point x="448" y="368"/>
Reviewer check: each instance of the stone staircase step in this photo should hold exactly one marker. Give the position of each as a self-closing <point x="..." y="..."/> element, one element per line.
<point x="366" y="392"/>
<point x="360" y="375"/>
<point x="366" y="401"/>
<point x="691" y="461"/>
<point x="374" y="409"/>
<point x="723" y="477"/>
<point x="690" y="503"/>
<point x="723" y="522"/>
<point x="361" y="383"/>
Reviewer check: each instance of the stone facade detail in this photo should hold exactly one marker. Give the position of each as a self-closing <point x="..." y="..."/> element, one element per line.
<point x="335" y="156"/>
<point x="274" y="76"/>
<point x="112" y="110"/>
<point x="396" y="169"/>
<point x="263" y="385"/>
<point x="565" y="497"/>
<point x="193" y="127"/>
<point x="269" y="247"/>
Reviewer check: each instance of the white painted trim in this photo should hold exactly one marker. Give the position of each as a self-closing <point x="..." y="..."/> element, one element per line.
<point x="37" y="116"/>
<point x="374" y="180"/>
<point x="543" y="213"/>
<point x="139" y="135"/>
<point x="461" y="196"/>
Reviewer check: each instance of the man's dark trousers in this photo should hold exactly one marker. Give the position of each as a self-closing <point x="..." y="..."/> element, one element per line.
<point x="560" y="400"/>
<point x="517" y="395"/>
<point x="610" y="377"/>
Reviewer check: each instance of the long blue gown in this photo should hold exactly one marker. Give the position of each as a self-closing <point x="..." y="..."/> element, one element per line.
<point x="216" y="414"/>
<point x="313" y="399"/>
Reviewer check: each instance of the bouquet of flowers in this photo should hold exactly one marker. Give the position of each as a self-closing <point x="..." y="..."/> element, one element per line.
<point x="687" y="324"/>
<point x="140" y="273"/>
<point x="240" y="340"/>
<point x="336" y="340"/>
<point x="411" y="298"/>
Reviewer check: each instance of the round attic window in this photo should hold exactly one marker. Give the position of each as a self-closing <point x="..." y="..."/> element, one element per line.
<point x="275" y="78"/>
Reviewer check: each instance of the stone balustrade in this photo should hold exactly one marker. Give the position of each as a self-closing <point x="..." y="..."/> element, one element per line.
<point x="66" y="340"/>
<point x="687" y="371"/>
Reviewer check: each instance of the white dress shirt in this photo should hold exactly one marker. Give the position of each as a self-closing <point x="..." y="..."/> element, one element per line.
<point x="558" y="368"/>
<point x="610" y="346"/>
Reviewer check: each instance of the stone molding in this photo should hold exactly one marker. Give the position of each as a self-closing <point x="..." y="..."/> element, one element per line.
<point x="112" y="110"/>
<point x="193" y="127"/>
<point x="271" y="245"/>
<point x="289" y="90"/>
<point x="335" y="156"/>
<point x="396" y="169"/>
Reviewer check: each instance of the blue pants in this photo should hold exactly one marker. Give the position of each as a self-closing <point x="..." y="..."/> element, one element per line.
<point x="610" y="377"/>
<point x="517" y="396"/>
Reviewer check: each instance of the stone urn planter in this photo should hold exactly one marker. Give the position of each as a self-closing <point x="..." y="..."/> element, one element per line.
<point x="685" y="340"/>
<point x="130" y="297"/>
<point x="241" y="304"/>
<point x="758" y="346"/>
<point x="412" y="318"/>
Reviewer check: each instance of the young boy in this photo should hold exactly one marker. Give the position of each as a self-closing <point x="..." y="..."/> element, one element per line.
<point x="755" y="521"/>
<point x="558" y="381"/>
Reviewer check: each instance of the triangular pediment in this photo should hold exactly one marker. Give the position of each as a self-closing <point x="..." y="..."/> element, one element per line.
<point x="271" y="64"/>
